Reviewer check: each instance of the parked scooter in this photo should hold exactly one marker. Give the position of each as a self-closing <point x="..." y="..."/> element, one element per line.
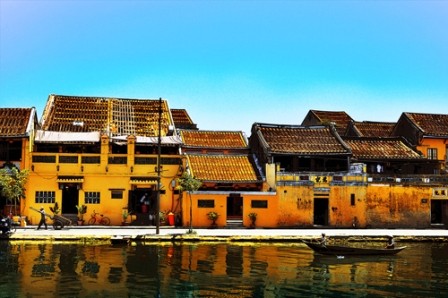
<point x="6" y="226"/>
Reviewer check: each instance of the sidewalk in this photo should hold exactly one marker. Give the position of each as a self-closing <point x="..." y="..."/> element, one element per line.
<point x="148" y="233"/>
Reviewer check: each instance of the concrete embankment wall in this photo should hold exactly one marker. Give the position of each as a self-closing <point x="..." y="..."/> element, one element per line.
<point x="149" y="235"/>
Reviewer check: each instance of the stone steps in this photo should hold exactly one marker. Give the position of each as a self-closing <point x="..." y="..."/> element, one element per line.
<point x="234" y="223"/>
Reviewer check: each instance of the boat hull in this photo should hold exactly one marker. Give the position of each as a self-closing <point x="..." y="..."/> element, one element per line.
<point x="347" y="250"/>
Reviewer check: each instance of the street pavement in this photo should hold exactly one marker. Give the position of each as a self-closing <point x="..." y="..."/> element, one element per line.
<point x="149" y="233"/>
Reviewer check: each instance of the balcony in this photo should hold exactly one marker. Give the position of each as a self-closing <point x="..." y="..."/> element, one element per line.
<point x="76" y="164"/>
<point x="348" y="178"/>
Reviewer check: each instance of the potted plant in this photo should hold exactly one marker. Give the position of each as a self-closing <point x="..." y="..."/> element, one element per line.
<point x="125" y="215"/>
<point x="162" y="217"/>
<point x="213" y="216"/>
<point x="253" y="219"/>
<point x="82" y="209"/>
<point x="55" y="209"/>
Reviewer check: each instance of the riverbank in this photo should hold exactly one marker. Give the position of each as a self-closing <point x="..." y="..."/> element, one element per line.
<point x="148" y="234"/>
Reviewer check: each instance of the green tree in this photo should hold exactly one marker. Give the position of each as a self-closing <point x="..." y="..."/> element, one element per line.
<point x="189" y="184"/>
<point x="12" y="184"/>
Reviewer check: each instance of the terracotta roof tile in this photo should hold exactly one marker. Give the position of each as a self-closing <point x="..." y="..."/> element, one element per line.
<point x="180" y="116"/>
<point x="115" y="115"/>
<point x="340" y="119"/>
<point x="430" y="124"/>
<point x="381" y="148"/>
<point x="222" y="168"/>
<point x="14" y="122"/>
<point x="213" y="139"/>
<point x="373" y="129"/>
<point x="302" y="140"/>
<point x="182" y="120"/>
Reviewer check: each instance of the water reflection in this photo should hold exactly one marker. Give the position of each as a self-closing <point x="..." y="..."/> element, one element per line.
<point x="216" y="270"/>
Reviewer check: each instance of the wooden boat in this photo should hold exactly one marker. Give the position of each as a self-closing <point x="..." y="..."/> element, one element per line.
<point x="338" y="250"/>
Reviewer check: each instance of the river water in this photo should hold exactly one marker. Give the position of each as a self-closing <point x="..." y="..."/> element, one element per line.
<point x="217" y="270"/>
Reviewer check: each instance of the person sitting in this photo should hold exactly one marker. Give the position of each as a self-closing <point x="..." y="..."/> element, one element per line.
<point x="390" y="242"/>
<point x="323" y="239"/>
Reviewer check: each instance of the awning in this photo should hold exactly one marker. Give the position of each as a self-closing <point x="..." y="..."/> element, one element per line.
<point x="44" y="136"/>
<point x="70" y="180"/>
<point x="146" y="181"/>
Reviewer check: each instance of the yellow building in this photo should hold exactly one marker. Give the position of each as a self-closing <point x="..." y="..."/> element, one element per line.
<point x="232" y="184"/>
<point x="428" y="133"/>
<point x="321" y="179"/>
<point x="17" y="129"/>
<point x="104" y="153"/>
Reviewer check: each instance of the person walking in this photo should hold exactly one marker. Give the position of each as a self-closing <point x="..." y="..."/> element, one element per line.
<point x="42" y="219"/>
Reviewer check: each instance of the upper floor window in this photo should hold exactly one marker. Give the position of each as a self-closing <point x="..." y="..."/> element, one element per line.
<point x="432" y="153"/>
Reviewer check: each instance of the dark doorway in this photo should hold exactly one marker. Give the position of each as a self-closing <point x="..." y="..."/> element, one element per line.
<point x="144" y="215"/>
<point x="321" y="212"/>
<point x="234" y="206"/>
<point x="135" y="200"/>
<point x="439" y="212"/>
<point x="70" y="198"/>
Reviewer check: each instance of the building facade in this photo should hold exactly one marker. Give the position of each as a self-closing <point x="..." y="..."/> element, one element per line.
<point x="123" y="156"/>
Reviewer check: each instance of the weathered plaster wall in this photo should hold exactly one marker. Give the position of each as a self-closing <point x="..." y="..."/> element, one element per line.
<point x="397" y="206"/>
<point x="266" y="217"/>
<point x="347" y="206"/>
<point x="295" y="206"/>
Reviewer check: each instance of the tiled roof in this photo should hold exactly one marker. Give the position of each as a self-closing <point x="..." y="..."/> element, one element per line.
<point x="339" y="118"/>
<point x="213" y="139"/>
<point x="15" y="122"/>
<point x="116" y="116"/>
<point x="301" y="139"/>
<point x="222" y="168"/>
<point x="181" y="117"/>
<point x="373" y="129"/>
<point x="430" y="124"/>
<point x="380" y="148"/>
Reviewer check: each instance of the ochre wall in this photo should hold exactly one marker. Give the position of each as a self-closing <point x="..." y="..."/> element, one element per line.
<point x="440" y="144"/>
<point x="96" y="178"/>
<point x="342" y="213"/>
<point x="295" y="205"/>
<point x="266" y="217"/>
<point x="382" y="206"/>
<point x="289" y="204"/>
<point x="398" y="206"/>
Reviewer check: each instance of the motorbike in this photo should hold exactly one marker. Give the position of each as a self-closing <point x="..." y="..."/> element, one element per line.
<point x="6" y="226"/>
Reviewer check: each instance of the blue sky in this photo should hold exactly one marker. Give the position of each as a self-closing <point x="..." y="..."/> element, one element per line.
<point x="231" y="63"/>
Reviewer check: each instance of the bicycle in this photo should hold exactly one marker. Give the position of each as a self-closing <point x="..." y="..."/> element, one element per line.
<point x="102" y="220"/>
